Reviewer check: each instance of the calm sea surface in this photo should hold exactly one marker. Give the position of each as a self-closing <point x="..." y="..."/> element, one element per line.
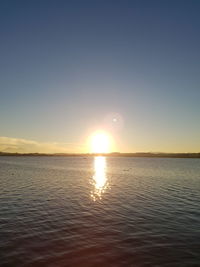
<point x="60" y="211"/>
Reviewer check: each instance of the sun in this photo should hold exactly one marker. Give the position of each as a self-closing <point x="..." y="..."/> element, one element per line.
<point x="100" y="142"/>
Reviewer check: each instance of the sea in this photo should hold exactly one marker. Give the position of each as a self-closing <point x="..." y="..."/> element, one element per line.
<point x="99" y="211"/>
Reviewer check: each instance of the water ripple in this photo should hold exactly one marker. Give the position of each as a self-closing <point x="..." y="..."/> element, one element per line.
<point x="145" y="213"/>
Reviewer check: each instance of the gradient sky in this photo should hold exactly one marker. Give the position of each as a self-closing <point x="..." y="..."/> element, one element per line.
<point x="67" y="68"/>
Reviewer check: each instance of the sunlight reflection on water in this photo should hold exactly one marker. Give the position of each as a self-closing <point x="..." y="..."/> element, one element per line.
<point x="100" y="182"/>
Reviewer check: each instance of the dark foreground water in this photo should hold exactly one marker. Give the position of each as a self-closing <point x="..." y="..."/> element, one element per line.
<point x="58" y="211"/>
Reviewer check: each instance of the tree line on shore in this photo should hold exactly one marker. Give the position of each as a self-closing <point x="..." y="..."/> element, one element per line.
<point x="114" y="154"/>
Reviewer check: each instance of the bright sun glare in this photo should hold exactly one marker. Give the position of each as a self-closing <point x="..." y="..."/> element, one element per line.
<point x="100" y="143"/>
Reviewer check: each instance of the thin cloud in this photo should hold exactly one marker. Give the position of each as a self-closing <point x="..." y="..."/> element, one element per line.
<point x="8" y="144"/>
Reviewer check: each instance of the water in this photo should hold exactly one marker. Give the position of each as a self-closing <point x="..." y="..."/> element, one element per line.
<point x="59" y="211"/>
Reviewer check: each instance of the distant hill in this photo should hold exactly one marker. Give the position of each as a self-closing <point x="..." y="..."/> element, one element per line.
<point x="115" y="154"/>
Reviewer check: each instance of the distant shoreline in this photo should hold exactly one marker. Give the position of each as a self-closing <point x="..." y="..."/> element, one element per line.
<point x="115" y="154"/>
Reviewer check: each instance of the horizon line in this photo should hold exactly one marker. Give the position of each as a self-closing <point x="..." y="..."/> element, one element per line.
<point x="115" y="154"/>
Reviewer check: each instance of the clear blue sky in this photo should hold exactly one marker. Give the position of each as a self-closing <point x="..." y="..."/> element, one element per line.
<point x="67" y="66"/>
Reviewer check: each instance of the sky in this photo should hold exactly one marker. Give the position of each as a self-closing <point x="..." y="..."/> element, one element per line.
<point x="70" y="68"/>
